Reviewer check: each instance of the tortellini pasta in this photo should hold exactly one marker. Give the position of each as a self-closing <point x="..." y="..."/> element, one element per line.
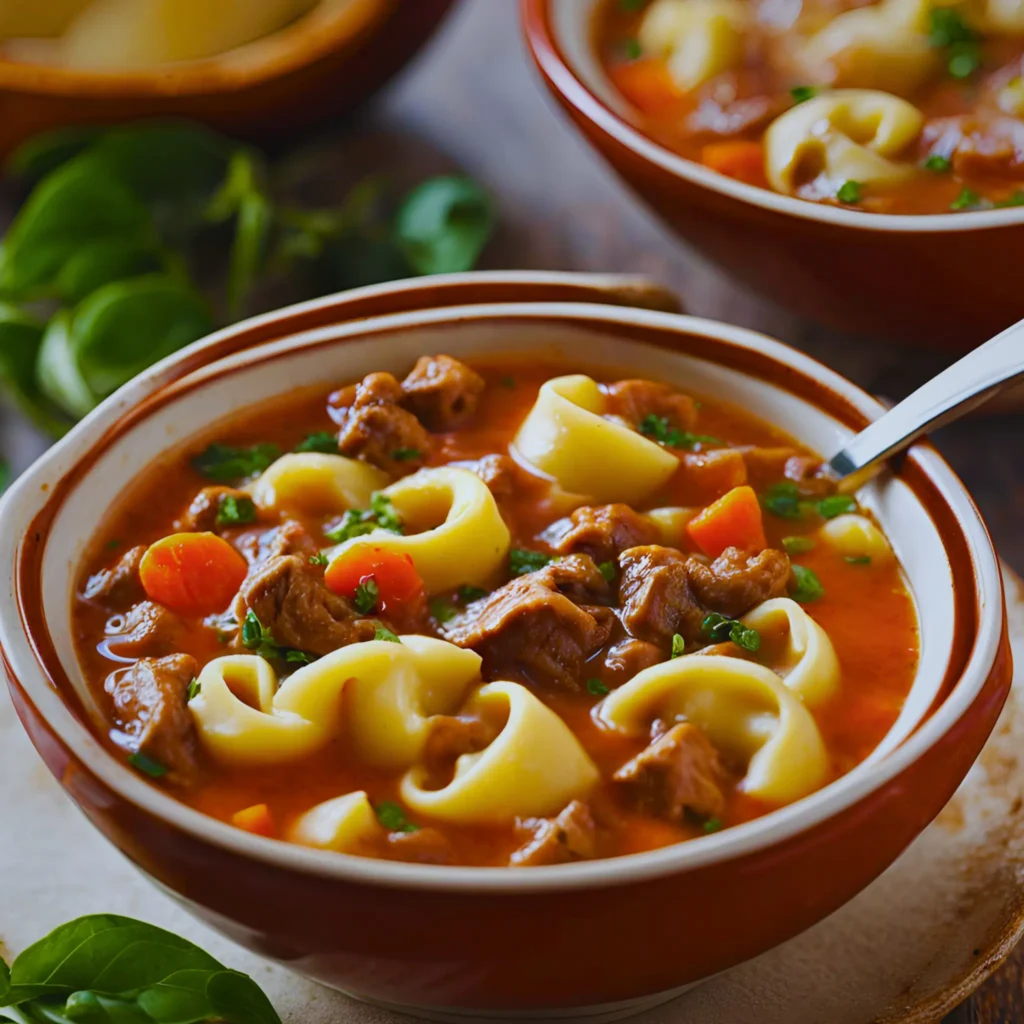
<point x="845" y="135"/>
<point x="1003" y="17"/>
<point x="809" y="666"/>
<point x="37" y="18"/>
<point x="882" y="46"/>
<point x="342" y="824"/>
<point x="855" y="536"/>
<point x="393" y="690"/>
<point x="316" y="484"/>
<point x="463" y="539"/>
<point x="746" y="711"/>
<point x="567" y="438"/>
<point x="700" y="38"/>
<point x="535" y="765"/>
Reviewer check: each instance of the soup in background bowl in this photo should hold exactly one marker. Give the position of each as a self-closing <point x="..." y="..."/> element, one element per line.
<point x="377" y="620"/>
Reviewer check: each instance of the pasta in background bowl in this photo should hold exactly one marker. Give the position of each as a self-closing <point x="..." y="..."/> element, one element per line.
<point x="478" y="946"/>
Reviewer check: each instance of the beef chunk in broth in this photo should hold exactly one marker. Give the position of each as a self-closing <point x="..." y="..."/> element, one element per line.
<point x="680" y="771"/>
<point x="628" y="657"/>
<point x="635" y="400"/>
<point x="571" y="836"/>
<point x="540" y="627"/>
<point x="374" y="426"/>
<point x="503" y="475"/>
<point x="766" y="465"/>
<point x="422" y="846"/>
<point x="120" y="584"/>
<point x="738" y="580"/>
<point x="442" y="392"/>
<point x="204" y="511"/>
<point x="150" y="701"/>
<point x="148" y="630"/>
<point x="289" y="597"/>
<point x="290" y="538"/>
<point x="601" y="531"/>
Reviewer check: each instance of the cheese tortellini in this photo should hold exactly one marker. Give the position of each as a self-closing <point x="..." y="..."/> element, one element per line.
<point x="809" y="666"/>
<point x="567" y="438"/>
<point x="1002" y="17"/>
<point x="393" y="689"/>
<point x="855" y="536"/>
<point x="462" y="538"/>
<point x="535" y="765"/>
<point x="746" y="711"/>
<point x="846" y="135"/>
<point x="342" y="824"/>
<point x="700" y="38"/>
<point x="316" y="484"/>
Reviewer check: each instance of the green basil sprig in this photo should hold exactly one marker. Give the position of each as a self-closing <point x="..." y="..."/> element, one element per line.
<point x="106" y="969"/>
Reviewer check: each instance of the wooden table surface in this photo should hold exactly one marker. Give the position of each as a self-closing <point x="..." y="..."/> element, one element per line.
<point x="472" y="101"/>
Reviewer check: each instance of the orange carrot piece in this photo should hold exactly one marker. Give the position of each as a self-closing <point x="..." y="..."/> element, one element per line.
<point x="192" y="573"/>
<point x="734" y="521"/>
<point x="740" y="159"/>
<point x="647" y="84"/>
<point x="256" y="819"/>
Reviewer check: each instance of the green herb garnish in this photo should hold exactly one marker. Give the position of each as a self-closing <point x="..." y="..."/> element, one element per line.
<point x="319" y="559"/>
<point x="384" y="512"/>
<point x="948" y="31"/>
<point x="803" y="93"/>
<point x="321" y="441"/>
<point x="406" y="454"/>
<point x="359" y="522"/>
<point x="596" y="688"/>
<point x="383" y="633"/>
<point x="938" y="164"/>
<point x="798" y="545"/>
<point x="720" y="628"/>
<point x="678" y="645"/>
<point x="226" y="464"/>
<point x="470" y="594"/>
<point x="1017" y="199"/>
<point x="235" y="511"/>
<point x="836" y="505"/>
<point x="968" y="199"/>
<point x="393" y="818"/>
<point x="442" y="609"/>
<point x="147" y="765"/>
<point x="712" y="825"/>
<point x="783" y="500"/>
<point x="850" y="192"/>
<point x="607" y="570"/>
<point x="508" y="381"/>
<point x="522" y="561"/>
<point x="258" y="639"/>
<point x="858" y="559"/>
<point x="631" y="49"/>
<point x="658" y="428"/>
<point x="964" y="60"/>
<point x="367" y="595"/>
<point x="808" y="586"/>
<point x="194" y="689"/>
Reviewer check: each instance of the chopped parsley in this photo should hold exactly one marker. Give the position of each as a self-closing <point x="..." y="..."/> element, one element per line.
<point x="294" y="657"/>
<point x="720" y="628"/>
<point x="367" y="595"/>
<point x="798" y="545"/>
<point x="607" y="570"/>
<point x="658" y="428"/>
<point x="836" y="505"/>
<point x="808" y="586"/>
<point x="258" y="639"/>
<point x="359" y="522"/>
<point x="948" y="31"/>
<point x="1017" y="199"/>
<point x="508" y="382"/>
<point x="783" y="500"/>
<point x="596" y="688"/>
<point x="224" y="464"/>
<point x="712" y="825"/>
<point x="383" y="633"/>
<point x="233" y="510"/>
<point x="115" y="543"/>
<point x="319" y="559"/>
<point x="858" y="559"/>
<point x="522" y="561"/>
<point x="967" y="200"/>
<point x="194" y="689"/>
<point x="678" y="645"/>
<point x="406" y="454"/>
<point x="850" y="192"/>
<point x="469" y="594"/>
<point x="631" y="49"/>
<point x="442" y="609"/>
<point x="147" y="765"/>
<point x="803" y="93"/>
<point x="393" y="818"/>
<point x="322" y="441"/>
<point x="938" y="164"/>
<point x="384" y="512"/>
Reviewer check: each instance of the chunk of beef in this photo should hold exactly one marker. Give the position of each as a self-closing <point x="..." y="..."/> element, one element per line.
<point x="725" y="116"/>
<point x="601" y="531"/>
<point x="768" y="466"/>
<point x="150" y="701"/>
<point x="540" y="627"/>
<point x="635" y="400"/>
<point x="503" y="475"/>
<point x="375" y="427"/>
<point x="679" y="772"/>
<point x="201" y="516"/>
<point x="120" y="584"/>
<point x="290" y="538"/>
<point x="628" y="657"/>
<point x="451" y="736"/>
<point x="442" y="392"/>
<point x="571" y="836"/>
<point x="709" y="475"/>
<point x="289" y="597"/>
<point x="146" y="630"/>
<point x="980" y="144"/>
<point x="424" y="846"/>
<point x="736" y="581"/>
<point x="656" y="597"/>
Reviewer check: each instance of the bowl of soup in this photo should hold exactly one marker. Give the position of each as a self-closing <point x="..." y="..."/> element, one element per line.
<point x="862" y="164"/>
<point x="432" y="638"/>
<point x="262" y="71"/>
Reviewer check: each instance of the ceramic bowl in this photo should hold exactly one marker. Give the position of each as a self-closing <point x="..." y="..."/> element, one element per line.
<point x="276" y="87"/>
<point x="600" y="938"/>
<point x="946" y="279"/>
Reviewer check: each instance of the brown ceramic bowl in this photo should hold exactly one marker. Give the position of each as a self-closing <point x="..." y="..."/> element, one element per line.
<point x="276" y="87"/>
<point x="946" y="279"/>
<point x="600" y="938"/>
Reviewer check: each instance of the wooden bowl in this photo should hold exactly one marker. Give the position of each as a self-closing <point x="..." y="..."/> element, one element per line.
<point x="276" y="87"/>
<point x="597" y="938"/>
<point x="946" y="279"/>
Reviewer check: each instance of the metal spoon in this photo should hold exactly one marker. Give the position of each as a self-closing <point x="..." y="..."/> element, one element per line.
<point x="962" y="387"/>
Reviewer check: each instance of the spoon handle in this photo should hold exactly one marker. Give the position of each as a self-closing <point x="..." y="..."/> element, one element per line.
<point x="962" y="387"/>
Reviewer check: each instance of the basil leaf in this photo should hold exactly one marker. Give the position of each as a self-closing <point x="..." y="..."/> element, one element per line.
<point x="443" y="224"/>
<point x="43" y="154"/>
<point x="118" y="332"/>
<point x="20" y="338"/>
<point x="808" y="586"/>
<point x="237" y="999"/>
<point x="75" y="206"/>
<point x="104" y="261"/>
<point x="225" y="464"/>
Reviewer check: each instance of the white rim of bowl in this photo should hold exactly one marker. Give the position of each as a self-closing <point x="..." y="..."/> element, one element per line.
<point x="572" y="84"/>
<point x="29" y="494"/>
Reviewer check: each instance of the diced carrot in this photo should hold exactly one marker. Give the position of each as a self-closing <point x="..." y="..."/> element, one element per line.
<point x="740" y="159"/>
<point x="394" y="575"/>
<point x="192" y="573"/>
<point x="734" y="521"/>
<point x="256" y="819"/>
<point x="646" y="83"/>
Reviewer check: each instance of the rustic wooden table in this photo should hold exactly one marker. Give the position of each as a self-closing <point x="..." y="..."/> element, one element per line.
<point x="473" y="102"/>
